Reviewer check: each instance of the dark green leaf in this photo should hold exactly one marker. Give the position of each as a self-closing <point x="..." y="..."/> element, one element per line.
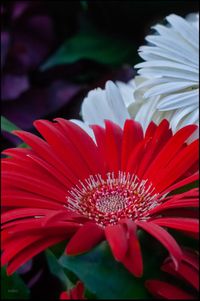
<point x="58" y="249"/>
<point x="94" y="46"/>
<point x="57" y="270"/>
<point x="105" y="277"/>
<point x="7" y="125"/>
<point x="13" y="287"/>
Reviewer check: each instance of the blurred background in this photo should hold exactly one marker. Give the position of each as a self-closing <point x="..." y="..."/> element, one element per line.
<point x="53" y="53"/>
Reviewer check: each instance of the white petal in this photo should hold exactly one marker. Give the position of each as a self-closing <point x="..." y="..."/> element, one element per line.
<point x="167" y="88"/>
<point x="146" y="111"/>
<point x="176" y="101"/>
<point x="126" y="90"/>
<point x="179" y="115"/>
<point x="159" y="116"/>
<point x="194" y="136"/>
<point x="169" y="72"/>
<point x="186" y="29"/>
<point x="104" y="104"/>
<point x="116" y="103"/>
<point x="93" y="110"/>
<point x="156" y="53"/>
<point x="193" y="18"/>
<point x="169" y="64"/>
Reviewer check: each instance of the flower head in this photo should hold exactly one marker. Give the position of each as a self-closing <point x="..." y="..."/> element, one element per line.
<point x="183" y="284"/>
<point x="70" y="186"/>
<point x="167" y="85"/>
<point x="170" y="84"/>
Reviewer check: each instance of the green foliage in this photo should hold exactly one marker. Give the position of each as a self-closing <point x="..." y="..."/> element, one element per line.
<point x="13" y="287"/>
<point x="7" y="125"/>
<point x="105" y="277"/>
<point x="92" y="45"/>
<point x="57" y="270"/>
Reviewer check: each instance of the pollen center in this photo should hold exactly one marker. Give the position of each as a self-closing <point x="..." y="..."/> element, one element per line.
<point x="111" y="202"/>
<point x="107" y="200"/>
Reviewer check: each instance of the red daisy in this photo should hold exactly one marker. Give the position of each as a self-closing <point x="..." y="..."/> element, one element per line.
<point x="70" y="186"/>
<point x="76" y="293"/>
<point x="187" y="277"/>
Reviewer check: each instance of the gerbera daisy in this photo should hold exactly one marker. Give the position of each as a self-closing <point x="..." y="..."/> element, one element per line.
<point x="171" y="73"/>
<point x="168" y="86"/>
<point x="108" y="103"/>
<point x="76" y="293"/>
<point x="183" y="283"/>
<point x="69" y="187"/>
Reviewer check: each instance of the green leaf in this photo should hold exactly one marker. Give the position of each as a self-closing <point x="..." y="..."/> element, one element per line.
<point x="13" y="287"/>
<point x="93" y="45"/>
<point x="58" y="249"/>
<point x="105" y="277"/>
<point x="7" y="125"/>
<point x="57" y="270"/>
<point x="84" y="5"/>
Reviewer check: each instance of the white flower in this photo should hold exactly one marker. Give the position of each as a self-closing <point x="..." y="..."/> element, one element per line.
<point x="170" y="87"/>
<point x="107" y="104"/>
<point x="167" y="87"/>
<point x="110" y="103"/>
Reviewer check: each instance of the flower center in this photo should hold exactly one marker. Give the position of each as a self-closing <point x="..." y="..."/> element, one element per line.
<point x="110" y="203"/>
<point x="108" y="200"/>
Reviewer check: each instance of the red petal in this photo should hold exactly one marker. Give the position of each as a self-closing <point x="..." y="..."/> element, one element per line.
<point x="174" y="203"/>
<point x="17" y="245"/>
<point x="63" y="147"/>
<point x="164" y="238"/>
<point x="150" y="130"/>
<point x="31" y="251"/>
<point x="82" y="141"/>
<point x="113" y="146"/>
<point x="77" y="292"/>
<point x="100" y="137"/>
<point x="132" y="135"/>
<point x="184" y="271"/>
<point x="34" y="185"/>
<point x="88" y="236"/>
<point x="133" y="259"/>
<point x="64" y="296"/>
<point x="191" y="258"/>
<point x="165" y="290"/>
<point x="117" y="237"/>
<point x="161" y="135"/>
<point x="53" y="172"/>
<point x="182" y="183"/>
<point x="184" y="224"/>
<point x="27" y="200"/>
<point x="136" y="157"/>
<point x="44" y="150"/>
<point x="24" y="212"/>
<point x="170" y="150"/>
<point x="177" y="167"/>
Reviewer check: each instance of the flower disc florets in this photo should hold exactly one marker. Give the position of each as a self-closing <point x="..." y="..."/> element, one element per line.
<point x="107" y="200"/>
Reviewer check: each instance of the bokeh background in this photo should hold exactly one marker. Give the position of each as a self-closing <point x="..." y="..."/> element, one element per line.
<point x="53" y="53"/>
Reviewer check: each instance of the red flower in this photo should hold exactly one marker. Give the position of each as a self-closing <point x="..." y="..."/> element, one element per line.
<point x="76" y="293"/>
<point x="187" y="275"/>
<point x="71" y="187"/>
